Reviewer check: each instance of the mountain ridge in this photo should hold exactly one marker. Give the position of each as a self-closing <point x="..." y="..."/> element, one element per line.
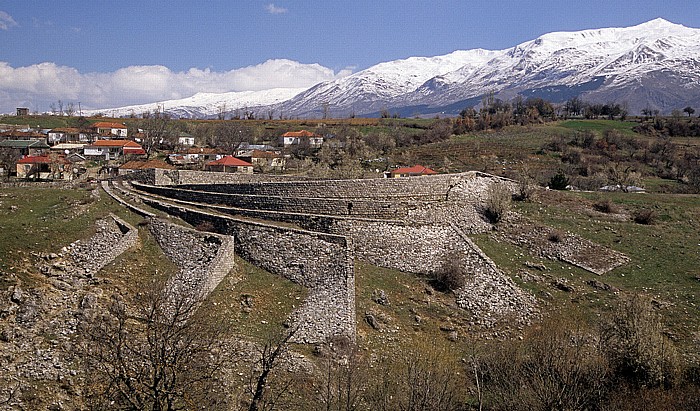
<point x="653" y="65"/>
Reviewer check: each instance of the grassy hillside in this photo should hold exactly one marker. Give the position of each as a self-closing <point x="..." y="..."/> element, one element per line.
<point x="404" y="326"/>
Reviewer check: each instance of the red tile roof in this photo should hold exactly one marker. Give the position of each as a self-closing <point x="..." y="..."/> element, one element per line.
<point x="415" y="170"/>
<point x="45" y="159"/>
<point x="230" y="161"/>
<point x="116" y="143"/>
<point x="65" y="130"/>
<point x="302" y="133"/>
<point x="264" y="154"/>
<point x="106" y="124"/>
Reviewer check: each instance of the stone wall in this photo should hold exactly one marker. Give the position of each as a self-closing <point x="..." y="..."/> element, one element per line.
<point x="113" y="237"/>
<point x="204" y="258"/>
<point x="321" y="262"/>
<point x="489" y="294"/>
<point x="160" y="176"/>
<point x="419" y="188"/>
<point x="319" y="206"/>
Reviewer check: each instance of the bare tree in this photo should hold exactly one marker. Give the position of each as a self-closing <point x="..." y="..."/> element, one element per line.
<point x="230" y="135"/>
<point x="164" y="356"/>
<point x="269" y="358"/>
<point x="8" y="159"/>
<point x="346" y="375"/>
<point x="70" y="109"/>
<point x="156" y="128"/>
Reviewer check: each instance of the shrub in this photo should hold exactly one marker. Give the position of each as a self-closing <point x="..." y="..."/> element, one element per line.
<point x="559" y="181"/>
<point x="555" y="236"/>
<point x="604" y="206"/>
<point x="452" y="273"/>
<point x="644" y="216"/>
<point x="526" y="189"/>
<point x="497" y="204"/>
<point x="635" y="346"/>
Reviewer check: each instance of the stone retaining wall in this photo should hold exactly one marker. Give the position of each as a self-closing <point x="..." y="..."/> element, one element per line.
<point x="420" y="188"/>
<point x="321" y="262"/>
<point x="204" y="258"/>
<point x="321" y="206"/>
<point x="113" y="237"/>
<point x="160" y="176"/>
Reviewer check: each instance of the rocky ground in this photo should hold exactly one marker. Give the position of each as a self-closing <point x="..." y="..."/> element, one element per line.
<point x="38" y="325"/>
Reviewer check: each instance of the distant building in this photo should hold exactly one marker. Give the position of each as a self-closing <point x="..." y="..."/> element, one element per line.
<point x="68" y="135"/>
<point x="264" y="159"/>
<point x="44" y="167"/>
<point x="22" y="111"/>
<point x="113" y="149"/>
<point x="230" y="164"/>
<point x="303" y="137"/>
<point x="26" y="147"/>
<point x="416" y="170"/>
<point x="104" y="128"/>
<point x="185" y="139"/>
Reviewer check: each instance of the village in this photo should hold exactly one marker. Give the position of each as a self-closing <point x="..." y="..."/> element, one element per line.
<point x="100" y="148"/>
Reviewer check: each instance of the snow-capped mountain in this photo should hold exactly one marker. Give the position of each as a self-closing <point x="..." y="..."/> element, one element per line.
<point x="208" y="105"/>
<point x="652" y="65"/>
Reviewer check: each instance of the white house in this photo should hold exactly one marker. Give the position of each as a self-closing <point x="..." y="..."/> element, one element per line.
<point x="108" y="128"/>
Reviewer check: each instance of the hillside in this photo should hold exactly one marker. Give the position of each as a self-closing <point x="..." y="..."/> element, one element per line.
<point x="403" y="320"/>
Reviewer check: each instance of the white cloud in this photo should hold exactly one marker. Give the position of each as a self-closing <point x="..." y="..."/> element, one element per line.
<point x="6" y="21"/>
<point x="272" y="9"/>
<point x="38" y="85"/>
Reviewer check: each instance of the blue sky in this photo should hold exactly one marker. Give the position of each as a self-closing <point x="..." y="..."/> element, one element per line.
<point x="205" y="44"/>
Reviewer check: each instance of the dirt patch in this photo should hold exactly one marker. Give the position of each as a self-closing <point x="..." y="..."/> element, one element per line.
<point x="560" y="245"/>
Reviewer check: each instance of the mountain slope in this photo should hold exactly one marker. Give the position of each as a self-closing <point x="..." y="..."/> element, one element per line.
<point x="633" y="62"/>
<point x="207" y="105"/>
<point x="652" y="65"/>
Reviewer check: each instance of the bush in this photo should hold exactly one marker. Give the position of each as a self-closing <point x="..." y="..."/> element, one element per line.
<point x="555" y="236"/>
<point x="644" y="216"/>
<point x="452" y="274"/>
<point x="497" y="204"/>
<point x="635" y="346"/>
<point x="559" y="181"/>
<point x="557" y="366"/>
<point x="604" y="206"/>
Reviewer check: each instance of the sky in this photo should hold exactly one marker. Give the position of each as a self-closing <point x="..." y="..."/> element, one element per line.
<point x="114" y="53"/>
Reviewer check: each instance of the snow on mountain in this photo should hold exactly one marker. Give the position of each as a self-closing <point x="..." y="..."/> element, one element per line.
<point x="203" y="105"/>
<point x="381" y="85"/>
<point x="621" y="56"/>
<point x="652" y="65"/>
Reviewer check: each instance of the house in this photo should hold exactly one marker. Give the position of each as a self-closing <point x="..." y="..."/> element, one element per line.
<point x="194" y="155"/>
<point x="135" y="165"/>
<point x="230" y="164"/>
<point x="67" y="135"/>
<point x="26" y="147"/>
<point x="45" y="167"/>
<point x="68" y="148"/>
<point x="416" y="170"/>
<point x="25" y="134"/>
<point x="185" y="139"/>
<point x="113" y="149"/>
<point x="105" y="128"/>
<point x="22" y="111"/>
<point x="303" y="137"/>
<point x="263" y="160"/>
